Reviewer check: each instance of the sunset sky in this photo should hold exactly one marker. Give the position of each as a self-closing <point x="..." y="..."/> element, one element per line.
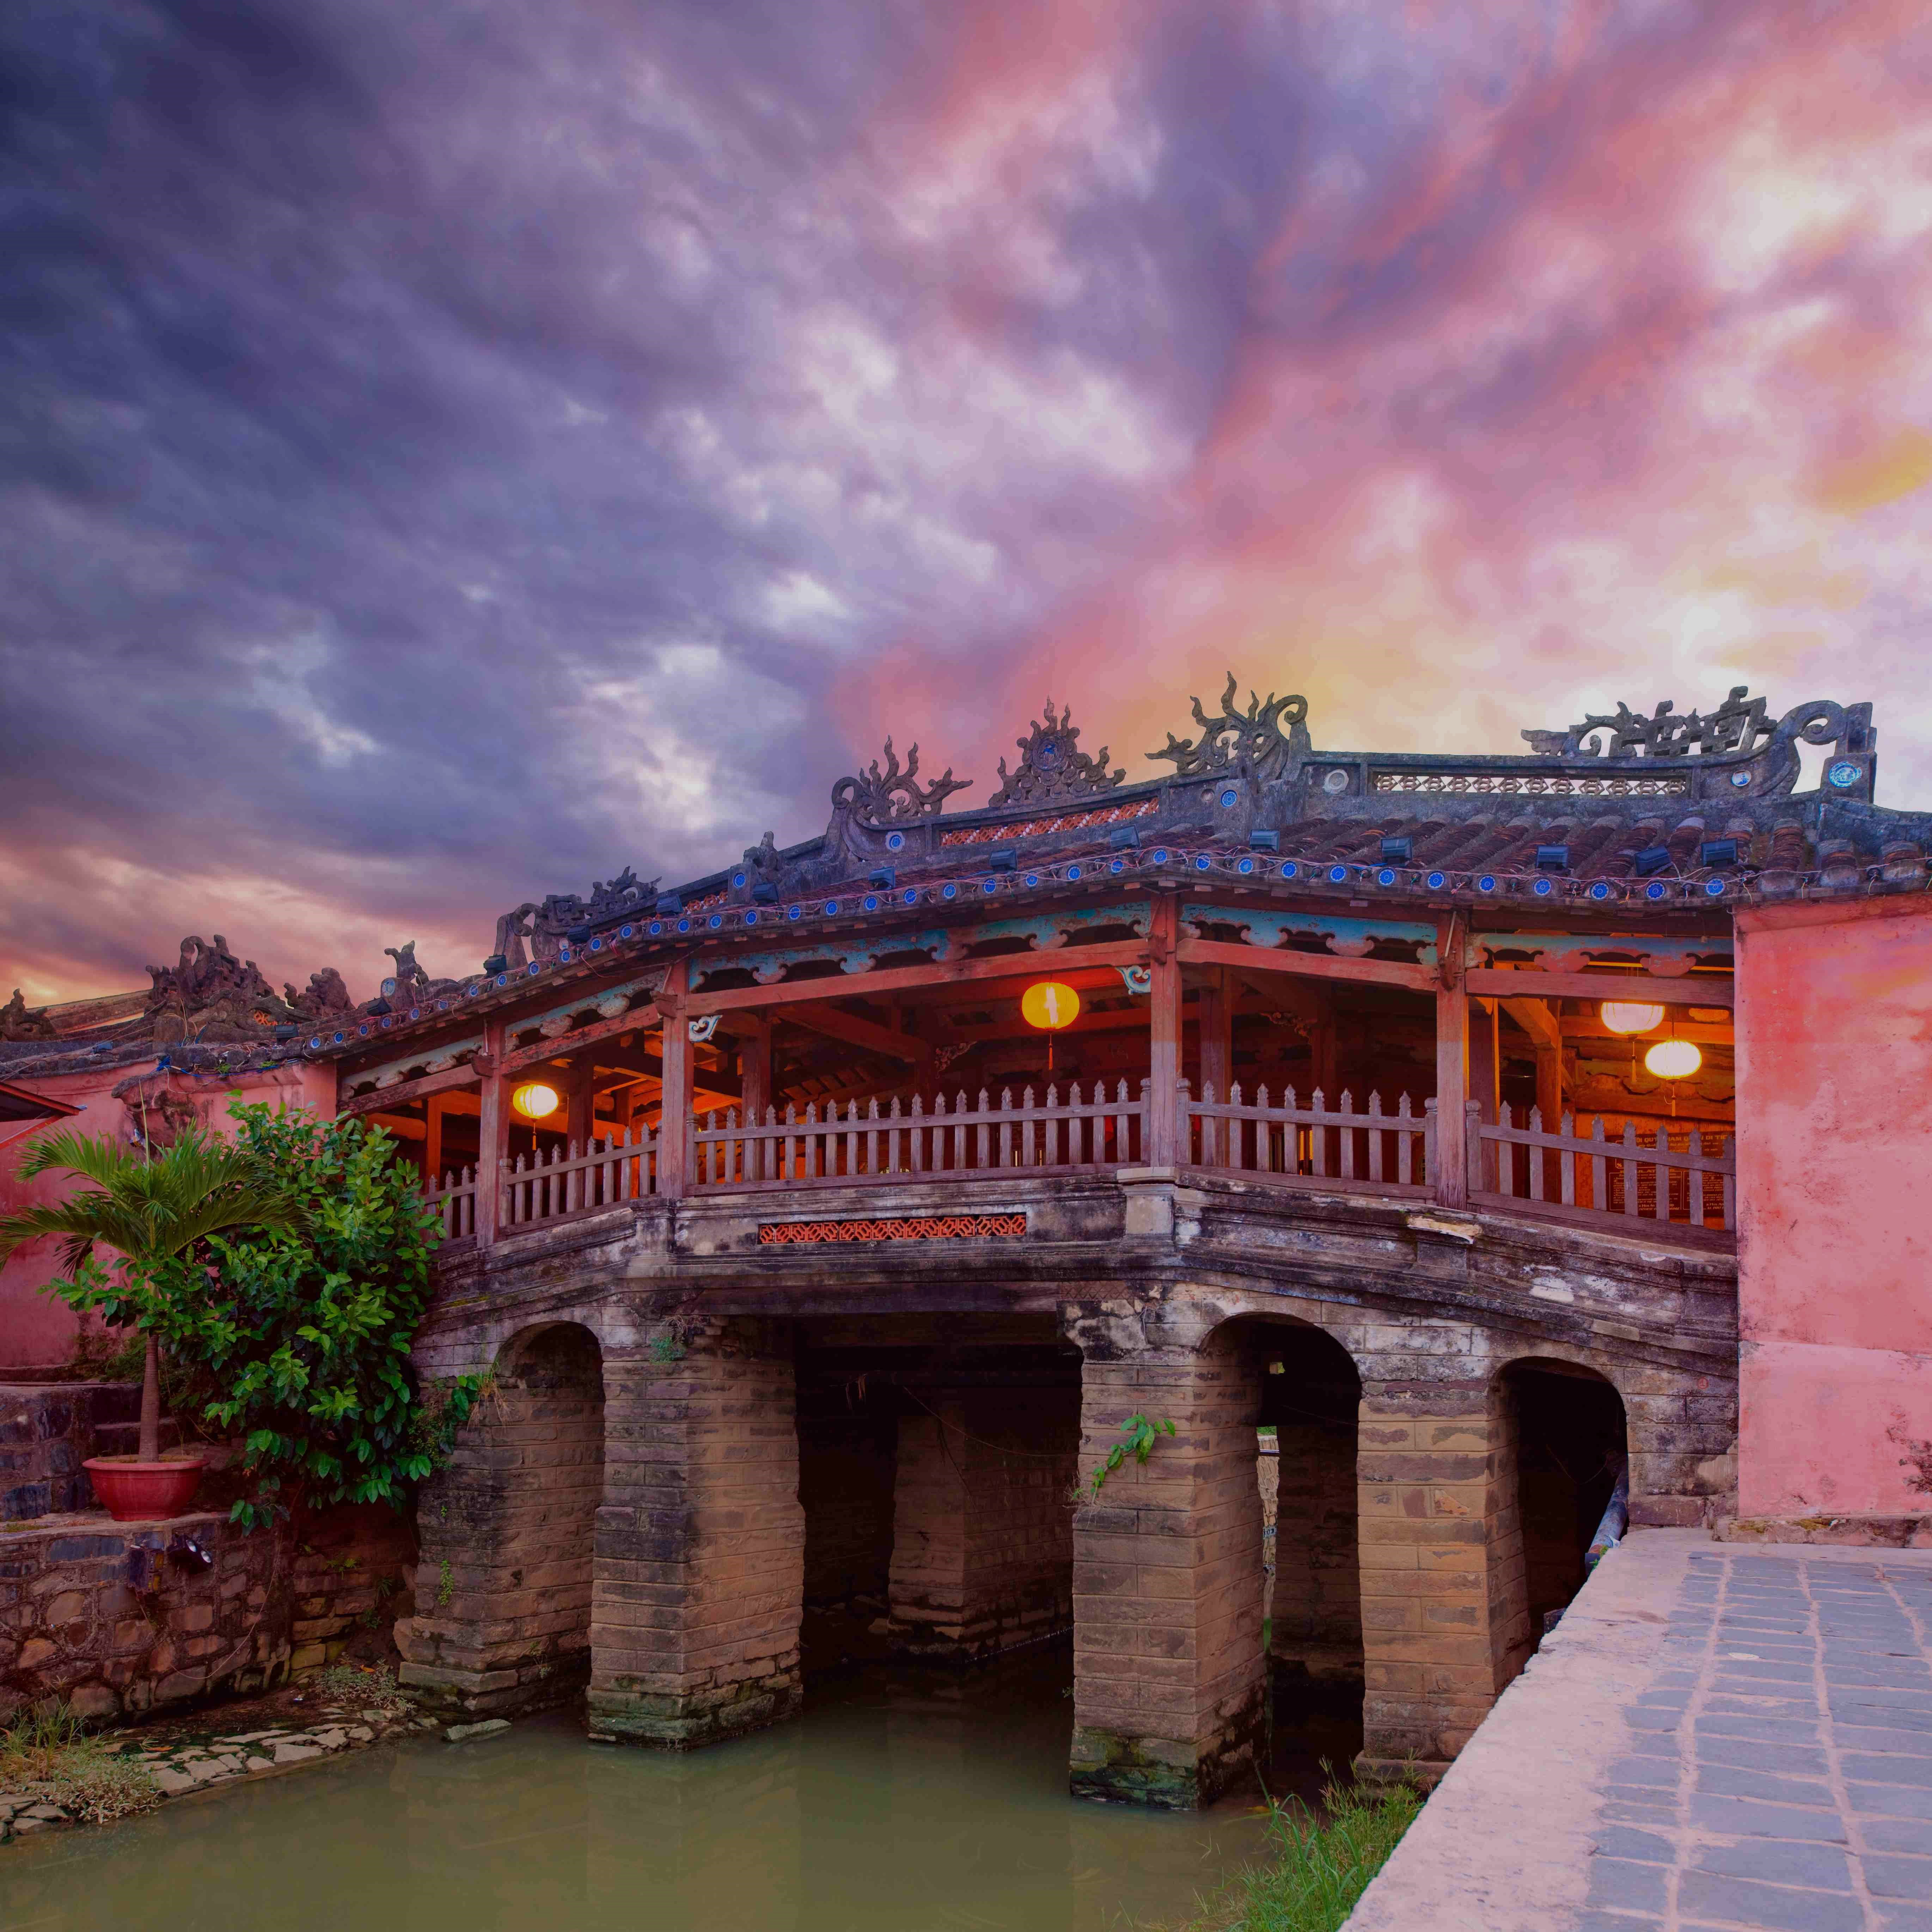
<point x="452" y="451"/>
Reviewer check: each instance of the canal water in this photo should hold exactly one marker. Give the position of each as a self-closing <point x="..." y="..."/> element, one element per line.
<point x="903" y="1801"/>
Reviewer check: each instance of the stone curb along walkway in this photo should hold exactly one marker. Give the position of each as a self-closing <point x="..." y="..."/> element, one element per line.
<point x="193" y="1758"/>
<point x="1716" y="1736"/>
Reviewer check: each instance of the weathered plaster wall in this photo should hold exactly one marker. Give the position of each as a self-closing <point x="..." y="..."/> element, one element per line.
<point x="35" y="1330"/>
<point x="1834" y="1156"/>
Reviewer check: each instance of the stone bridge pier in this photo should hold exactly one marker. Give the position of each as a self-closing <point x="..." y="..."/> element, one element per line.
<point x="681" y="1504"/>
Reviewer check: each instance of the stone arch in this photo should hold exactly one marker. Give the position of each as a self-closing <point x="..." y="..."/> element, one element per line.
<point x="1308" y="1397"/>
<point x="504" y="1590"/>
<point x="1563" y="1429"/>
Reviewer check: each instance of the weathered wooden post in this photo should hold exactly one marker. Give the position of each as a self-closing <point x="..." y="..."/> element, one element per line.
<point x="1164" y="1022"/>
<point x="674" y="1122"/>
<point x="492" y="1129"/>
<point x="1452" y="1062"/>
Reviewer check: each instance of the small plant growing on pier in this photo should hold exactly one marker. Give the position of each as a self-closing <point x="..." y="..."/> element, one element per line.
<point x="668" y="1348"/>
<point x="445" y="1587"/>
<point x="1138" y="1436"/>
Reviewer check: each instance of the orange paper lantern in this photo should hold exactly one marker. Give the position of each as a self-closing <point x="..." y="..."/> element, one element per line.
<point x="1050" y="1005"/>
<point x="534" y="1101"/>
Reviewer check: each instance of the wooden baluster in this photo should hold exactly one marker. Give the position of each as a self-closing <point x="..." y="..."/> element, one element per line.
<point x="1693" y="1180"/>
<point x="961" y="1133"/>
<point x="1374" y="1136"/>
<point x="1660" y="1197"/>
<point x="1729" y="1151"/>
<point x="1006" y="1127"/>
<point x="1633" y="1206"/>
<point x="1078" y="1125"/>
<point x="1347" y="1135"/>
<point x="1405" y="1149"/>
<point x="895" y="1140"/>
<point x="1027" y="1124"/>
<point x="917" y="1132"/>
<point x="986" y="1129"/>
<point x="1567" y="1160"/>
<point x="1537" y="1181"/>
<point x="1237" y="1130"/>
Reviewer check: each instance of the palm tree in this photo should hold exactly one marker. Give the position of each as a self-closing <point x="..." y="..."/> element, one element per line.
<point x="148" y="1207"/>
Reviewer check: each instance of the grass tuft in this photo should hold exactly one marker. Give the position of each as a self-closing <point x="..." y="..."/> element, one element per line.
<point x="1321" y="1866"/>
<point x="370" y="1688"/>
<point x="47" y="1756"/>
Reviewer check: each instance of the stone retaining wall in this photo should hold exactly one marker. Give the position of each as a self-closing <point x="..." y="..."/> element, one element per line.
<point x="120" y="1618"/>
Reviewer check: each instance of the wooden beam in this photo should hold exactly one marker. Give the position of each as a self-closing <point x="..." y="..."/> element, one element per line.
<point x="401" y="1094"/>
<point x="1698" y="989"/>
<point x="1307" y="965"/>
<point x="1537" y="1020"/>
<point x="853" y="1031"/>
<point x="905" y="979"/>
<point x="643" y="1020"/>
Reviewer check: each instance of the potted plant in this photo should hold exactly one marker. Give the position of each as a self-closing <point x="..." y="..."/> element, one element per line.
<point x="151" y="1209"/>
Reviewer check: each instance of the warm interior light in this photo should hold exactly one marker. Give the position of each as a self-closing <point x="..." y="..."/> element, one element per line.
<point x="1050" y="1005"/>
<point x="534" y="1101"/>
<point x="1629" y="1016"/>
<point x="1673" y="1060"/>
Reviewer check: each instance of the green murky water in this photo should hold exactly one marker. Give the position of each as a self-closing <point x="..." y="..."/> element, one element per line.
<point x="901" y="1802"/>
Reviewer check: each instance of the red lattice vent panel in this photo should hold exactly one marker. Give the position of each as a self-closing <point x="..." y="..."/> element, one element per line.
<point x="897" y="1228"/>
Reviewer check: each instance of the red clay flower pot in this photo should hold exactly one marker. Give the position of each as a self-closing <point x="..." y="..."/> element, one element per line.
<point x="132" y="1491"/>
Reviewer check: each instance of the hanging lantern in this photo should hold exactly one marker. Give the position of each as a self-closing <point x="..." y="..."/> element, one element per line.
<point x="1629" y="1016"/>
<point x="1673" y="1060"/>
<point x="1050" y="1006"/>
<point x="534" y="1101"/>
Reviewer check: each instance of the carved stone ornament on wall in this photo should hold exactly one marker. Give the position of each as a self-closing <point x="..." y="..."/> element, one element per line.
<point x="891" y="796"/>
<point x="1251" y="740"/>
<point x="1053" y="766"/>
<point x="19" y="1021"/>
<point x="209" y="994"/>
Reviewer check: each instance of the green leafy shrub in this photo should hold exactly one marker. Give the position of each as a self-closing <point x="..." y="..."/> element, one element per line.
<point x="295" y="1338"/>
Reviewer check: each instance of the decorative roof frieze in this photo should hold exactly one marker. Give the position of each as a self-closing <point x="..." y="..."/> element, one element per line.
<point x="892" y="797"/>
<point x="1052" y="766"/>
<point x="1251" y="741"/>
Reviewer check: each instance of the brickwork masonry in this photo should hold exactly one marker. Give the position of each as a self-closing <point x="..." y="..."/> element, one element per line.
<point x="121" y="1620"/>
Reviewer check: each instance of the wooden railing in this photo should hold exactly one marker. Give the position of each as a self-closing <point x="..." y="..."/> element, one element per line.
<point x="1394" y="1151"/>
<point x="900" y="1142"/>
<point x="1684" y="1179"/>
<point x="454" y="1202"/>
<point x="574" y="1178"/>
<point x="1675" y="1175"/>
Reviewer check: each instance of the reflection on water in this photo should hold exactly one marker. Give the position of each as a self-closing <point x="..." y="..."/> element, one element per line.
<point x="904" y="1802"/>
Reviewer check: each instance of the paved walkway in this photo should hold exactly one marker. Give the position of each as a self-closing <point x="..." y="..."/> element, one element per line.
<point x="1715" y="1736"/>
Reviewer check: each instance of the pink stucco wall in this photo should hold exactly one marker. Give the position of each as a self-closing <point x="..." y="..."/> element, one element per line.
<point x="1835" y="1190"/>
<point x="36" y="1331"/>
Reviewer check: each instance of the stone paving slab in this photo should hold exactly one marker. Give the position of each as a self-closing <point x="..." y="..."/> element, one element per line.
<point x="1716" y="1736"/>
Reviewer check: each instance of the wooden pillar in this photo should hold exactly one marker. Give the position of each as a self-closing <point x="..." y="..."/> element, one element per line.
<point x="1214" y="1014"/>
<point x="492" y="1127"/>
<point x="674" y="1122"/>
<point x="1452" y="1065"/>
<point x="1163" y="1136"/>
<point x="1324" y="1057"/>
<point x="754" y="1065"/>
<point x="580" y="1093"/>
<point x="1486" y="1056"/>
